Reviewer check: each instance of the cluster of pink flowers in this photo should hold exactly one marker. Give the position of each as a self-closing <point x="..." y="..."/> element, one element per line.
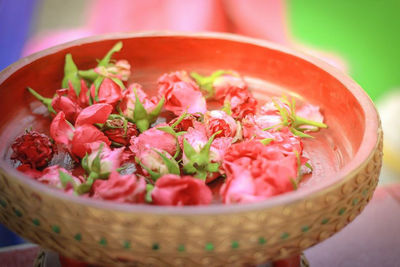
<point x="170" y="149"/>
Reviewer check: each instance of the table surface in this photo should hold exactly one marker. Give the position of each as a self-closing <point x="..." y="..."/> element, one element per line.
<point x="372" y="239"/>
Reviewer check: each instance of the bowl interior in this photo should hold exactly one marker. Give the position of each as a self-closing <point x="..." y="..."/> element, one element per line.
<point x="269" y="71"/>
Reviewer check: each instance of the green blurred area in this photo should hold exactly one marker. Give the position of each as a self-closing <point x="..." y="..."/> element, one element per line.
<point x="366" y="34"/>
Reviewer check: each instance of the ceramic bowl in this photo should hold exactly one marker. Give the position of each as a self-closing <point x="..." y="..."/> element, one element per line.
<point x="346" y="159"/>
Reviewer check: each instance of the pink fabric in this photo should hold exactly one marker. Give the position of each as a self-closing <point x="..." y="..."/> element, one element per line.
<point x="257" y="18"/>
<point x="139" y="15"/>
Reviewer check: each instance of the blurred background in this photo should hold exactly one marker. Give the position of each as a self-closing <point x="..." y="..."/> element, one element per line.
<point x="361" y="37"/>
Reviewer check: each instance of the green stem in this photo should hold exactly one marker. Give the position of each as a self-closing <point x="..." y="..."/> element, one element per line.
<point x="46" y="101"/>
<point x="88" y="74"/>
<point x="303" y="121"/>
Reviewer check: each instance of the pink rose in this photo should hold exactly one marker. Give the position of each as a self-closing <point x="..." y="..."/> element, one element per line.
<point x="305" y="118"/>
<point x="218" y="120"/>
<point x="51" y="177"/>
<point x="241" y="102"/>
<point x="154" y="139"/>
<point x="128" y="101"/>
<point x="114" y="130"/>
<point x="97" y="113"/>
<point x="197" y="138"/>
<point x="186" y="123"/>
<point x="224" y="84"/>
<point x="218" y="85"/>
<point x="120" y="70"/>
<point x="173" y="190"/>
<point x="283" y="139"/>
<point x="108" y="92"/>
<point x="286" y="142"/>
<point x="150" y="159"/>
<point x="242" y="188"/>
<point x="181" y="93"/>
<point x="70" y="108"/>
<point x="110" y="159"/>
<point x="77" y="140"/>
<point x="60" y="130"/>
<point x="269" y="169"/>
<point x="253" y="125"/>
<point x="84" y="136"/>
<point x="120" y="188"/>
<point x="83" y="99"/>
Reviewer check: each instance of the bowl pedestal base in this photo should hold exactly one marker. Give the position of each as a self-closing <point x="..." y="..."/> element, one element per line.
<point x="47" y="258"/>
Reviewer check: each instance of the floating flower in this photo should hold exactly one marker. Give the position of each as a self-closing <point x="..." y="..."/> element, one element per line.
<point x="119" y="131"/>
<point x="184" y="123"/>
<point x="120" y="188"/>
<point x="219" y="83"/>
<point x="33" y="148"/>
<point x="219" y="121"/>
<point x="173" y="190"/>
<point x="77" y="140"/>
<point x="65" y="104"/>
<point x="241" y="102"/>
<point x="271" y="172"/>
<point x="120" y="70"/>
<point x="58" y="177"/>
<point x="157" y="163"/>
<point x="107" y="92"/>
<point x="141" y="109"/>
<point x="154" y="139"/>
<point x="102" y="160"/>
<point x="181" y="93"/>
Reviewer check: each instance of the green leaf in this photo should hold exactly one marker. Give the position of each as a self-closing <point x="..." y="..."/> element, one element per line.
<point x="206" y="82"/>
<point x="308" y="165"/>
<point x="149" y="190"/>
<point x="213" y="167"/>
<point x="119" y="82"/>
<point x="206" y="148"/>
<point x="65" y="179"/>
<point x="97" y="84"/>
<point x="71" y="74"/>
<point x="227" y="107"/>
<point x="201" y="174"/>
<point x="272" y="127"/>
<point x="153" y="115"/>
<point x="266" y="141"/>
<point x="167" y="129"/>
<point x="189" y="169"/>
<point x="188" y="149"/>
<point x="199" y="162"/>
<point x="85" y="187"/>
<point x="106" y="59"/>
<point x="180" y="119"/>
<point x="84" y="163"/>
<point x="45" y="101"/>
<point x="91" y="75"/>
<point x="96" y="164"/>
<point x="283" y="112"/>
<point x="142" y="125"/>
<point x="300" y="134"/>
<point x="153" y="175"/>
<point x="171" y="164"/>
<point x="140" y="112"/>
